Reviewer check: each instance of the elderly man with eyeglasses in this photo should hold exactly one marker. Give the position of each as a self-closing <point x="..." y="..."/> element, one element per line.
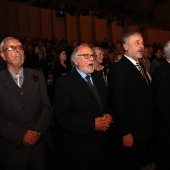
<point x="25" y="112"/>
<point x="82" y="112"/>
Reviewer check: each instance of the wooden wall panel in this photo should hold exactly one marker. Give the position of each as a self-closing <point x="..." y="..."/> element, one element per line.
<point x="71" y="28"/>
<point x="18" y="19"/>
<point x="35" y="22"/>
<point x="23" y="13"/>
<point x="46" y="23"/>
<point x="85" y="26"/>
<point x="100" y="26"/>
<point x="134" y="28"/>
<point x="58" y="26"/>
<point x="117" y="32"/>
<point x="13" y="19"/>
<point x="159" y="36"/>
<point x="4" y="18"/>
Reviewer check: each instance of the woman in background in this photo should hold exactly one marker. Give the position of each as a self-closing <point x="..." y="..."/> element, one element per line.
<point x="156" y="59"/>
<point x="60" y="68"/>
<point x="98" y="67"/>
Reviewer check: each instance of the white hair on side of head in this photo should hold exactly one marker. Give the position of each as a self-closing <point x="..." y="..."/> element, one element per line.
<point x="74" y="53"/>
<point x="167" y="50"/>
<point x="3" y="42"/>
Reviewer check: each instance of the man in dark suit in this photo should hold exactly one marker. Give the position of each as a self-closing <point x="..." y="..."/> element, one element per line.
<point x="161" y="90"/>
<point x="25" y="112"/>
<point x="130" y="98"/>
<point x="82" y="112"/>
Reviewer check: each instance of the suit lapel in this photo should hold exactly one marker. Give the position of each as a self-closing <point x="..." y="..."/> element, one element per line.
<point x="10" y="84"/>
<point x="131" y="67"/>
<point x="97" y="84"/>
<point x="28" y="83"/>
<point x="167" y="64"/>
<point x="81" y="82"/>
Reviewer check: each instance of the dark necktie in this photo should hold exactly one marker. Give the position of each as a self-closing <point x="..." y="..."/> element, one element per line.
<point x="139" y="67"/>
<point x="88" y="79"/>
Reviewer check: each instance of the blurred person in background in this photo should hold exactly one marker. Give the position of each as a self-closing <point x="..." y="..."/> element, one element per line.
<point x="60" y="67"/>
<point x="161" y="91"/>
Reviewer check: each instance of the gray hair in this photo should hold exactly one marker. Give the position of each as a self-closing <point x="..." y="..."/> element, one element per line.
<point x="3" y="42"/>
<point x="126" y="37"/>
<point x="74" y="53"/>
<point x="167" y="50"/>
<point x="97" y="48"/>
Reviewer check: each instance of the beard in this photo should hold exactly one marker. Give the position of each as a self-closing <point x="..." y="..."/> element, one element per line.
<point x="19" y="64"/>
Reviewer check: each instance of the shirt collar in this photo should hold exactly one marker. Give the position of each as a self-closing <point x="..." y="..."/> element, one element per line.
<point x="83" y="75"/>
<point x="133" y="61"/>
<point x="14" y="75"/>
<point x="168" y="61"/>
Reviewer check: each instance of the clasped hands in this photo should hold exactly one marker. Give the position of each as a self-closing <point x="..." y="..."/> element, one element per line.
<point x="31" y="138"/>
<point x="103" y="123"/>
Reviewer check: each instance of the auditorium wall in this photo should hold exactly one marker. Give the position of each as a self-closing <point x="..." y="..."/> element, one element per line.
<point x="22" y="20"/>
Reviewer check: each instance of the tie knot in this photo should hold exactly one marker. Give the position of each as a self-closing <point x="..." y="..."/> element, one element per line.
<point x="17" y="76"/>
<point x="88" y="79"/>
<point x="138" y="66"/>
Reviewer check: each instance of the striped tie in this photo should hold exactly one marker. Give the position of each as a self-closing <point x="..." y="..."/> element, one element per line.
<point x="139" y="67"/>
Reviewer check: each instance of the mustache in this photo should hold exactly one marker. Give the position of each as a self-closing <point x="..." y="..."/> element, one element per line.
<point x="18" y="55"/>
<point x="141" y="50"/>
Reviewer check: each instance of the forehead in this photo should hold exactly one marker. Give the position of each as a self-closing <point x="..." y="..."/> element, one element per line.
<point x="98" y="51"/>
<point x="135" y="37"/>
<point x="85" y="49"/>
<point x="11" y="41"/>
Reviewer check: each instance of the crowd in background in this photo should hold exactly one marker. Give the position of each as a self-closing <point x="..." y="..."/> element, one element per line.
<point x="44" y="54"/>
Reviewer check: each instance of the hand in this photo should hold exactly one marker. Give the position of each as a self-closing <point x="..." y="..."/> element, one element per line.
<point x="31" y="138"/>
<point x="101" y="123"/>
<point x="128" y="140"/>
<point x="108" y="118"/>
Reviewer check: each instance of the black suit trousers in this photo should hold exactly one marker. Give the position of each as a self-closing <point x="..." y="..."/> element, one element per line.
<point x="38" y="157"/>
<point x="129" y="158"/>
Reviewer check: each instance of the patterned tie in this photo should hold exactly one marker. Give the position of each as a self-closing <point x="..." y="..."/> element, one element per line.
<point x="88" y="79"/>
<point x="139" y="67"/>
<point x="17" y="78"/>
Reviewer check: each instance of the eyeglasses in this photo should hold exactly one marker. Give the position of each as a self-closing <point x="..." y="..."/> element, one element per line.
<point x="13" y="47"/>
<point x="88" y="56"/>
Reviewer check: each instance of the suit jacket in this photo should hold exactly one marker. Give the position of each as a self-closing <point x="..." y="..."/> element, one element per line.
<point x="21" y="109"/>
<point x="76" y="109"/>
<point x="131" y="100"/>
<point x="161" y="90"/>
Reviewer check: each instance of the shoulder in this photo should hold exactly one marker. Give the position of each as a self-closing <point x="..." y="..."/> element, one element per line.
<point x="4" y="73"/>
<point x="32" y="71"/>
<point x="66" y="78"/>
<point x="117" y="66"/>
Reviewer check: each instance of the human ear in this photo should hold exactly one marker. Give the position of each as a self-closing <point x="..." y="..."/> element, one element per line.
<point x="125" y="46"/>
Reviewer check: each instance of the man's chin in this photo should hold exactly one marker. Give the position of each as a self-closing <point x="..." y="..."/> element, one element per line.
<point x="18" y="64"/>
<point x="89" y="71"/>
